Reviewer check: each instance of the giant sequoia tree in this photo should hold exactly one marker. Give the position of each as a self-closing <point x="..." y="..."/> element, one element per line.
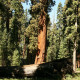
<point x="41" y="8"/>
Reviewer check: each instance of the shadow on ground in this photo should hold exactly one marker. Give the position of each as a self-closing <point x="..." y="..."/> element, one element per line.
<point x="54" y="70"/>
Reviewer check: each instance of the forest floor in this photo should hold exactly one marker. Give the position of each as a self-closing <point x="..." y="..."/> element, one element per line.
<point x="75" y="76"/>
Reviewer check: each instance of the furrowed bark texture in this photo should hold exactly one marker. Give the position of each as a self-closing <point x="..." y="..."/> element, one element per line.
<point x="40" y="56"/>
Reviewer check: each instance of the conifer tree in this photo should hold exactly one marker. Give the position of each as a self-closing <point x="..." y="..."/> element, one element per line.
<point x="12" y="22"/>
<point x="53" y="44"/>
<point x="60" y="16"/>
<point x="18" y="28"/>
<point x="42" y="7"/>
<point x="63" y="48"/>
<point x="3" y="32"/>
<point x="71" y="30"/>
<point x="39" y="11"/>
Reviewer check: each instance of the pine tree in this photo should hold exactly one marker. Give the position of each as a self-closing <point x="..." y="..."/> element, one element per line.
<point x="60" y="16"/>
<point x="60" y="30"/>
<point x="71" y="10"/>
<point x="12" y="22"/>
<point x="18" y="28"/>
<point x="3" y="33"/>
<point x="53" y="44"/>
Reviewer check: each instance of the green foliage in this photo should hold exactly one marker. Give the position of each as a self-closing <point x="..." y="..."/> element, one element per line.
<point x="12" y="28"/>
<point x="16" y="58"/>
<point x="63" y="52"/>
<point x="60" y="16"/>
<point x="53" y="48"/>
<point x="32" y="33"/>
<point x="56" y="35"/>
<point x="71" y="21"/>
<point x="72" y="77"/>
<point x="61" y="40"/>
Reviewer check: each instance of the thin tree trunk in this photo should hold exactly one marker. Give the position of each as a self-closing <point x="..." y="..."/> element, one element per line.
<point x="28" y="54"/>
<point x="74" y="57"/>
<point x="24" y="48"/>
<point x="74" y="51"/>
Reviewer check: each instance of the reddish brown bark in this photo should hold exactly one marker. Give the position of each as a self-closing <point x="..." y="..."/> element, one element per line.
<point x="78" y="61"/>
<point x="40" y="56"/>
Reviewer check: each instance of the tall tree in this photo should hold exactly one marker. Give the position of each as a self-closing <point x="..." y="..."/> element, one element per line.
<point x="4" y="27"/>
<point x="59" y="30"/>
<point x="71" y="30"/>
<point x="39" y="10"/>
<point x="53" y="47"/>
<point x="41" y="54"/>
<point x="18" y="27"/>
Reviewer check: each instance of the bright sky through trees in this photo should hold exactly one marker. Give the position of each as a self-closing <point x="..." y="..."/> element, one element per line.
<point x="53" y="13"/>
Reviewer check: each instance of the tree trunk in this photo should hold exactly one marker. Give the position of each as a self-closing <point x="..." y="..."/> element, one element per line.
<point x="40" y="56"/>
<point x="74" y="51"/>
<point x="28" y="54"/>
<point x="74" y="57"/>
<point x="24" y="48"/>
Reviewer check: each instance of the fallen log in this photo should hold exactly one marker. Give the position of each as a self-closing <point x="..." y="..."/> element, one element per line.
<point x="61" y="66"/>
